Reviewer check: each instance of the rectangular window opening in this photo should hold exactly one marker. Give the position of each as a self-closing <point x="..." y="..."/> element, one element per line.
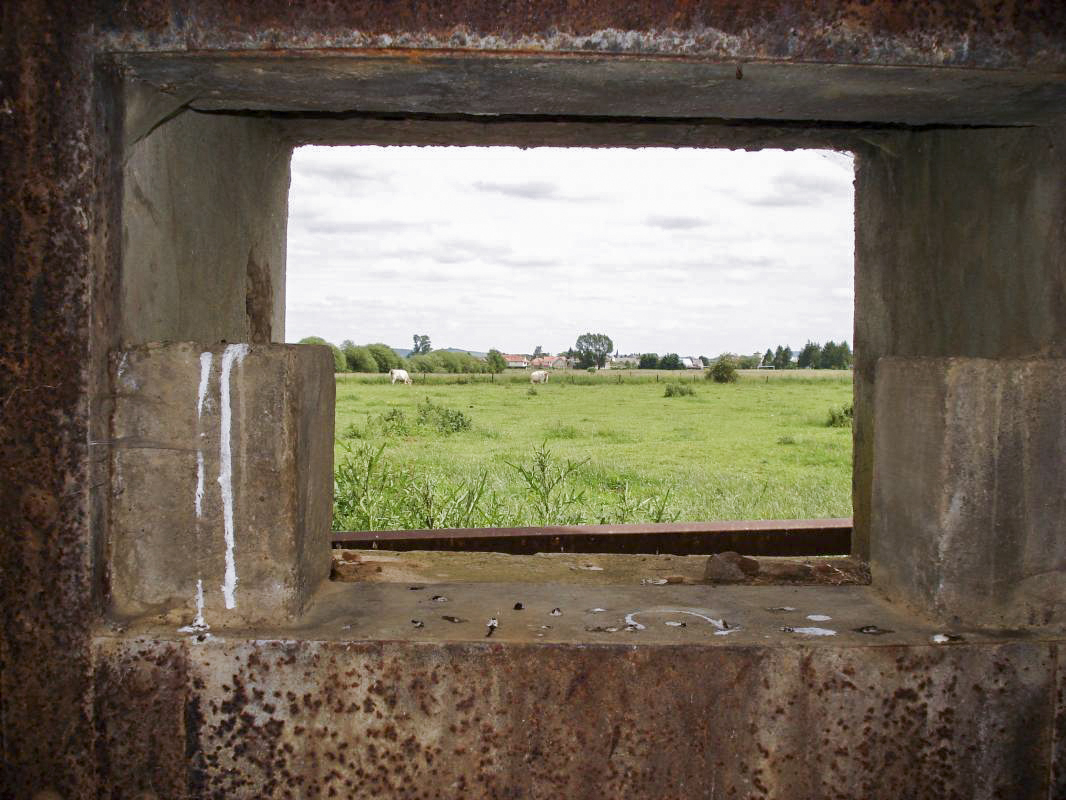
<point x="605" y="351"/>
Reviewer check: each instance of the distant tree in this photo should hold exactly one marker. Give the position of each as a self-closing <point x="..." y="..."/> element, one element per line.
<point x="835" y="356"/>
<point x="537" y="352"/>
<point x="340" y="363"/>
<point x="384" y="356"/>
<point x="495" y="361"/>
<point x="705" y="361"/>
<point x="648" y="361"/>
<point x="810" y="355"/>
<point x="768" y="358"/>
<point x="358" y="358"/>
<point x="421" y="345"/>
<point x="783" y="357"/>
<point x="746" y="362"/>
<point x="421" y="363"/>
<point x="592" y="349"/>
<point x="670" y="361"/>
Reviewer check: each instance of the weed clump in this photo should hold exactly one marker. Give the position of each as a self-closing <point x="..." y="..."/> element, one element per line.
<point x="841" y="417"/>
<point x="678" y="390"/>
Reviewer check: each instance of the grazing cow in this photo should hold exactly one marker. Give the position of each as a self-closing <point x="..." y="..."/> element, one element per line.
<point x="400" y="375"/>
<point x="538" y="376"/>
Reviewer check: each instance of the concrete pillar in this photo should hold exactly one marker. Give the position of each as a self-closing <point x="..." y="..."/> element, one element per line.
<point x="969" y="489"/>
<point x="960" y="252"/>
<point x="222" y="481"/>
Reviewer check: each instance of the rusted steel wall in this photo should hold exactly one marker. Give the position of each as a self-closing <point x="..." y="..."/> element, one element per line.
<point x="234" y="719"/>
<point x="887" y="32"/>
<point x="52" y="147"/>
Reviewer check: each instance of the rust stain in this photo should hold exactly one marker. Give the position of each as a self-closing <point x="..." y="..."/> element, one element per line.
<point x="986" y="33"/>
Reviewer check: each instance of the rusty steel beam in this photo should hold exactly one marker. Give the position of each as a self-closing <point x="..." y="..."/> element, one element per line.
<point x="776" y="537"/>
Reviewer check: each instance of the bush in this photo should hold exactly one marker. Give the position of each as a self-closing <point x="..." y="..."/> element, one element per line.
<point x="445" y="420"/>
<point x="648" y="361"/>
<point x="359" y="358"/>
<point x="385" y="357"/>
<point x="841" y="417"/>
<point x="723" y="371"/>
<point x="678" y="390"/>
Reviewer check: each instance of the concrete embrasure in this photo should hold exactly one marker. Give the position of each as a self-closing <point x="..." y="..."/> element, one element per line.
<point x="970" y="489"/>
<point x="222" y="481"/>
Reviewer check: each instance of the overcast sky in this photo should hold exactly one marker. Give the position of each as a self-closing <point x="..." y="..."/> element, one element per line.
<point x="689" y="251"/>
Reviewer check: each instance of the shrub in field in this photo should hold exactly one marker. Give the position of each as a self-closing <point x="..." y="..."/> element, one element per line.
<point x="549" y="488"/>
<point x="723" y="371"/>
<point x="678" y="390"/>
<point x="841" y="417"/>
<point x="442" y="418"/>
<point x="394" y="422"/>
<point x="532" y="391"/>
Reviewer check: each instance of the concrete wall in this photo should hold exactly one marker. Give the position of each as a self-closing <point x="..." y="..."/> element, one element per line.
<point x="204" y="214"/>
<point x="970" y="489"/>
<point x="222" y="489"/>
<point x="960" y="251"/>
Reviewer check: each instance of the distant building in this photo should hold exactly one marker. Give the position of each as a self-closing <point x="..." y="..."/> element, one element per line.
<point x="691" y="362"/>
<point x="623" y="362"/>
<point x="548" y="362"/>
<point x="516" y="362"/>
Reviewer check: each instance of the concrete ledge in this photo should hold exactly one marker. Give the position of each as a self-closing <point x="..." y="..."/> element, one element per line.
<point x="970" y="488"/>
<point x="222" y="490"/>
<point x="365" y="704"/>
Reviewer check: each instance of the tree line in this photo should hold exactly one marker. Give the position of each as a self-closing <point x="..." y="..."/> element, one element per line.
<point x="590" y="350"/>
<point x="831" y="355"/>
<point x="379" y="357"/>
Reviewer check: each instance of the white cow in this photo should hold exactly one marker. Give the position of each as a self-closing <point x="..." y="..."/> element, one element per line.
<point x="400" y="375"/>
<point x="538" y="376"/>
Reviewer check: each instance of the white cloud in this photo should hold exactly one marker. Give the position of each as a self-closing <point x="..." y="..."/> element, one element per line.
<point x="691" y="251"/>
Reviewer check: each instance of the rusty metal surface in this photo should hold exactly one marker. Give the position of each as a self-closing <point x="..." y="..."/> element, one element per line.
<point x="985" y="33"/>
<point x="49" y="183"/>
<point x="792" y="537"/>
<point x="276" y="718"/>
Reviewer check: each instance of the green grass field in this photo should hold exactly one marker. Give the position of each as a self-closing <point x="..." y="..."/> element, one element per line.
<point x="458" y="451"/>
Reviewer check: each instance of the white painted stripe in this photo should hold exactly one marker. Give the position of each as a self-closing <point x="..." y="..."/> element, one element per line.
<point x="233" y="354"/>
<point x="198" y="624"/>
<point x="205" y="376"/>
<point x="199" y="484"/>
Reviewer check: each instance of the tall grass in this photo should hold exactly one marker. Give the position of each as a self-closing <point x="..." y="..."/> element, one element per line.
<point x="373" y="492"/>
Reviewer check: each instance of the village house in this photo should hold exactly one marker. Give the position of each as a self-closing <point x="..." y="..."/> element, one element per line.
<point x="549" y="362"/>
<point x="516" y="362"/>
